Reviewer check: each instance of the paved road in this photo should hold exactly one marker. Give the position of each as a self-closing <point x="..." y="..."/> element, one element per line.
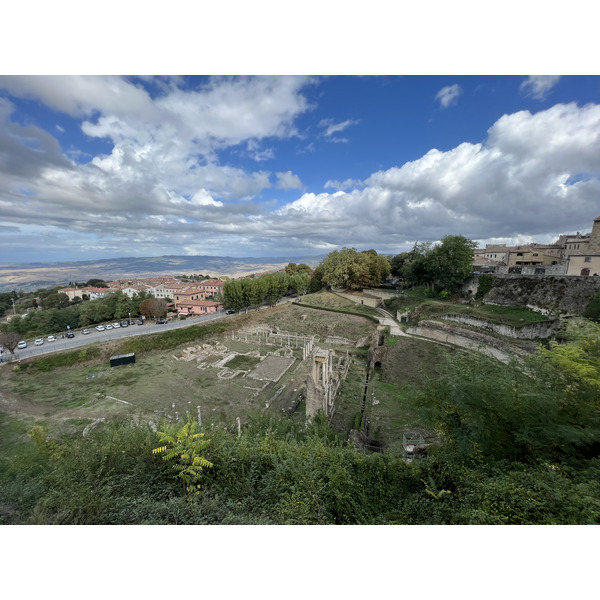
<point x="113" y="334"/>
<point x="104" y="336"/>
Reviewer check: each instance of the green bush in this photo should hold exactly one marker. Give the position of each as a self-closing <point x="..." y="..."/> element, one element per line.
<point x="592" y="310"/>
<point x="486" y="282"/>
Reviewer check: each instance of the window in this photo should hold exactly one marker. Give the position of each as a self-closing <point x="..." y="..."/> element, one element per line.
<point x="535" y="254"/>
<point x="588" y="259"/>
<point x="519" y="254"/>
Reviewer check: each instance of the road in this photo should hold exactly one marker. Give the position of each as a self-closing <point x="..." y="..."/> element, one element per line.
<point x="112" y="334"/>
<point x="103" y="336"/>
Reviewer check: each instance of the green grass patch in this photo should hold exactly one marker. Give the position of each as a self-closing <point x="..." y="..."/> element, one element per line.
<point x="343" y="311"/>
<point x="13" y="433"/>
<point x="66" y="359"/>
<point x="171" y="339"/>
<point x="514" y="316"/>
<point x="244" y="363"/>
<point x="73" y="401"/>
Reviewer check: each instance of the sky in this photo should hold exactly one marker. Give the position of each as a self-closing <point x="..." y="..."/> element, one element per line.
<point x="107" y="166"/>
<point x="257" y="162"/>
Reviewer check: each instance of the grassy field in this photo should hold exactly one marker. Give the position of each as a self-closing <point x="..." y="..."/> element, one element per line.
<point x="214" y="371"/>
<point x="423" y="308"/>
<point x="329" y="300"/>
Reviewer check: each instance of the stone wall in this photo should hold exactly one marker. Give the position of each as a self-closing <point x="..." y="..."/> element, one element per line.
<point x="383" y="294"/>
<point x="558" y="269"/>
<point x="547" y="294"/>
<point x="471" y="340"/>
<point x="532" y="331"/>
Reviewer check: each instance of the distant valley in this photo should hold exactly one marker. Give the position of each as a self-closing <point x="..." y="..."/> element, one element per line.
<point x="32" y="276"/>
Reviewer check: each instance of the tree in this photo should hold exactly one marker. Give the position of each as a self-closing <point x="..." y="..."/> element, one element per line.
<point x="122" y="307"/>
<point x="592" y="310"/>
<point x="377" y="266"/>
<point x="299" y="282"/>
<point x="416" y="269"/>
<point x="447" y="264"/>
<point x="452" y="260"/>
<point x="10" y="341"/>
<point x="352" y="269"/>
<point x="233" y="295"/>
<point x="316" y="281"/>
<point x="96" y="283"/>
<point x="292" y="269"/>
<point x="153" y="307"/>
<point x="397" y="263"/>
<point x="55" y="300"/>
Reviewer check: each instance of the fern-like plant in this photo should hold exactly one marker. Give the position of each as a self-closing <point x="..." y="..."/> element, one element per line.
<point x="185" y="446"/>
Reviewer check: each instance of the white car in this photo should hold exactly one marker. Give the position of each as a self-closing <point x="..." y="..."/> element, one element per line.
<point x="116" y="325"/>
<point x="108" y="327"/>
<point x="99" y="327"/>
<point x="22" y="344"/>
<point x="51" y="338"/>
<point x="39" y="341"/>
<point x="85" y="331"/>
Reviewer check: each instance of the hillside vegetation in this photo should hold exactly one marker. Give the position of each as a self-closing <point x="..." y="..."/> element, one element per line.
<point x="506" y="444"/>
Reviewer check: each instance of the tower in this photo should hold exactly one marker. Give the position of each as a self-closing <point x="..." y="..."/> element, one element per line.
<point x="594" y="245"/>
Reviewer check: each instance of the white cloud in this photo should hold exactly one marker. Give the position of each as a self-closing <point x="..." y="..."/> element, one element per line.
<point x="331" y="127"/>
<point x="533" y="174"/>
<point x="449" y="95"/>
<point x="343" y="185"/>
<point x="538" y="86"/>
<point x="514" y="184"/>
<point x="288" y="181"/>
<point x="256" y="153"/>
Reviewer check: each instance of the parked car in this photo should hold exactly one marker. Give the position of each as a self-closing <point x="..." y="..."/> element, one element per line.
<point x="116" y="325"/>
<point x="22" y="344"/>
<point x="140" y="322"/>
<point x="161" y="321"/>
<point x="85" y="331"/>
<point x="229" y="311"/>
<point x="70" y="334"/>
<point x="108" y="327"/>
<point x="39" y="341"/>
<point x="100" y="328"/>
<point x="51" y="338"/>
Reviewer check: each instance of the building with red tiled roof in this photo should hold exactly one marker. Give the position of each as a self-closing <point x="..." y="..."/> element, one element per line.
<point x="198" y="307"/>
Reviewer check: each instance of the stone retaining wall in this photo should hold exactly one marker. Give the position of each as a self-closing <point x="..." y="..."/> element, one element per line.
<point x="464" y="338"/>
<point x="546" y="294"/>
<point x="532" y="331"/>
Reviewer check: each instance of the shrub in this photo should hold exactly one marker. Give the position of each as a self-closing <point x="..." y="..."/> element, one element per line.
<point x="592" y="310"/>
<point x="486" y="282"/>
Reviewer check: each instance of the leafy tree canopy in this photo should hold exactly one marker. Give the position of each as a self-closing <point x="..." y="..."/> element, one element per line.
<point x="351" y="269"/>
<point x="447" y="264"/>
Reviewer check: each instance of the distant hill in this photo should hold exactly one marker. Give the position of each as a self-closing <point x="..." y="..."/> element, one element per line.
<point x="32" y="276"/>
